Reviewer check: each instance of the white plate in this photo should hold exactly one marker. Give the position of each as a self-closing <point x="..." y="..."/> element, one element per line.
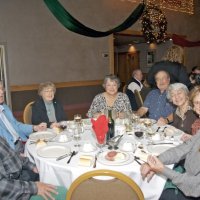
<point x="172" y="131"/>
<point x="102" y="159"/>
<point x="159" y="148"/>
<point x="52" y="151"/>
<point x="43" y="135"/>
<point x="147" y="120"/>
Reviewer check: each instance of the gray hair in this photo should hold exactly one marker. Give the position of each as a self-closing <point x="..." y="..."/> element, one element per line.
<point x="176" y="86"/>
<point x="45" y="85"/>
<point x="111" y="77"/>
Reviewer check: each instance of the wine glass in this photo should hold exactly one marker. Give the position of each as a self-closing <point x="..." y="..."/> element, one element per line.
<point x="77" y="118"/>
<point x="101" y="141"/>
<point x="63" y="125"/>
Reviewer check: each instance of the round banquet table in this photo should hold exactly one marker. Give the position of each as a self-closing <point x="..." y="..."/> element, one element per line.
<point x="63" y="174"/>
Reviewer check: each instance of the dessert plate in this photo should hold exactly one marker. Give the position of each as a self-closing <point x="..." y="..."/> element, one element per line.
<point x="52" y="151"/>
<point x="123" y="159"/>
<point x="157" y="149"/>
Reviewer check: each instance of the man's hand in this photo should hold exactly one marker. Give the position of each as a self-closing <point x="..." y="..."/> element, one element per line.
<point x="155" y="164"/>
<point x="40" y="127"/>
<point x="146" y="172"/>
<point x="35" y="170"/>
<point x="141" y="111"/>
<point x="45" y="190"/>
<point x="162" y="121"/>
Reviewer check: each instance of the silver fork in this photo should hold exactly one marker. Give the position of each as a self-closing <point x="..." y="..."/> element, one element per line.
<point x="73" y="154"/>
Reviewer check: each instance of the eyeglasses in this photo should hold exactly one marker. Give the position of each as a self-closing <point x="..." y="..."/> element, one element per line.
<point x="196" y="103"/>
<point x="48" y="91"/>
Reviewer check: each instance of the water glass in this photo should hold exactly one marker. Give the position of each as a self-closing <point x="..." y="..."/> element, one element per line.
<point x="77" y="118"/>
<point x="77" y="137"/>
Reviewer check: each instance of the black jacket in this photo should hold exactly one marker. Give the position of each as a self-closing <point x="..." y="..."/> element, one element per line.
<point x="39" y="112"/>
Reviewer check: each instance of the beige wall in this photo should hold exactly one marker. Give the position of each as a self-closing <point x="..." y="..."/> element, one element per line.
<point x="39" y="48"/>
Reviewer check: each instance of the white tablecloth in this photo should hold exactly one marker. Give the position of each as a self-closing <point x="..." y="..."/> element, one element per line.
<point x="60" y="173"/>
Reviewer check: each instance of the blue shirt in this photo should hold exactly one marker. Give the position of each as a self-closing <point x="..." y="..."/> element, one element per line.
<point x="158" y="105"/>
<point x="23" y="130"/>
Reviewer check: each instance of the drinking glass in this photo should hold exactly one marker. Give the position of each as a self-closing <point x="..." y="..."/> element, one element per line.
<point x="101" y="142"/>
<point x="77" y="118"/>
<point x="77" y="137"/>
<point x="63" y="125"/>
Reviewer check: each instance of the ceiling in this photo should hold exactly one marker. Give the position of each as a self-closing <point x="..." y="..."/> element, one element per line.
<point x="126" y="39"/>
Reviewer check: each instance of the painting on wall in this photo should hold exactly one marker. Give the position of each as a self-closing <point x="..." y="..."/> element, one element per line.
<point x="150" y="58"/>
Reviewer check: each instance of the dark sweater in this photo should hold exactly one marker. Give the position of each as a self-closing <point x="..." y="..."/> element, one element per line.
<point x="39" y="112"/>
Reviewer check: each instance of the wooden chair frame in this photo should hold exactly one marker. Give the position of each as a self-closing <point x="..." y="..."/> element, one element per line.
<point x="27" y="112"/>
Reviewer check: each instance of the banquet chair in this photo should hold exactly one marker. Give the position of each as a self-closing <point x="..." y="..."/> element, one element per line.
<point x="119" y="187"/>
<point x="124" y="89"/>
<point x="27" y="114"/>
<point x="138" y="98"/>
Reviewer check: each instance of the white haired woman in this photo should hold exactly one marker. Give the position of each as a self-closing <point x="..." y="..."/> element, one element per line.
<point x="111" y="99"/>
<point x="183" y="117"/>
<point x="46" y="108"/>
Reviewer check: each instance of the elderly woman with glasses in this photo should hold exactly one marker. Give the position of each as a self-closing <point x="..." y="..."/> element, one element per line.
<point x="111" y="99"/>
<point x="183" y="117"/>
<point x="186" y="184"/>
<point x="46" y="108"/>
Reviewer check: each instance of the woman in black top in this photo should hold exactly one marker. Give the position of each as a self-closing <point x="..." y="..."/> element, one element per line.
<point x="46" y="108"/>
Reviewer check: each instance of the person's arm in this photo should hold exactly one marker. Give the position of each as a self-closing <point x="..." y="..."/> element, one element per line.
<point x="188" y="183"/>
<point x="16" y="189"/>
<point x="141" y="111"/>
<point x="94" y="108"/>
<point x="167" y="120"/>
<point x="127" y="103"/>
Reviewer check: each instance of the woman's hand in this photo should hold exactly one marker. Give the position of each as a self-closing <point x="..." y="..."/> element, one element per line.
<point x="155" y="164"/>
<point x="40" y="127"/>
<point x="185" y="137"/>
<point x="146" y="172"/>
<point x="55" y="125"/>
<point x="45" y="190"/>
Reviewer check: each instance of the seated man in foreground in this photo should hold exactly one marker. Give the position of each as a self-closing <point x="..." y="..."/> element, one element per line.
<point x="17" y="174"/>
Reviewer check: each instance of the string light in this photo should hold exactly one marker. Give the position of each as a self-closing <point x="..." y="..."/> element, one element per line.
<point x="154" y="24"/>
<point x="178" y="5"/>
<point x="186" y="6"/>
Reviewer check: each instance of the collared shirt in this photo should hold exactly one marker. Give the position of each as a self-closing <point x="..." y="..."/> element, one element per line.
<point x="23" y="130"/>
<point x="137" y="85"/>
<point x="11" y="165"/>
<point x="158" y="105"/>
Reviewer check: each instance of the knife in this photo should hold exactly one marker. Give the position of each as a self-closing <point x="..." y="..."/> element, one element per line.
<point x="63" y="156"/>
<point x="73" y="154"/>
<point x="162" y="143"/>
<point x="95" y="162"/>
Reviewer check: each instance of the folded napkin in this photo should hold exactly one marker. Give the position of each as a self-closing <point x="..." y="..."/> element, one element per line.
<point x="100" y="127"/>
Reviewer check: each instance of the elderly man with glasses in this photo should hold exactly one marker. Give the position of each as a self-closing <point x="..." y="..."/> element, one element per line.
<point x="156" y="103"/>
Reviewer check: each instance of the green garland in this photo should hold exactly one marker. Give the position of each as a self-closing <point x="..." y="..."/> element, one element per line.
<point x="154" y="24"/>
